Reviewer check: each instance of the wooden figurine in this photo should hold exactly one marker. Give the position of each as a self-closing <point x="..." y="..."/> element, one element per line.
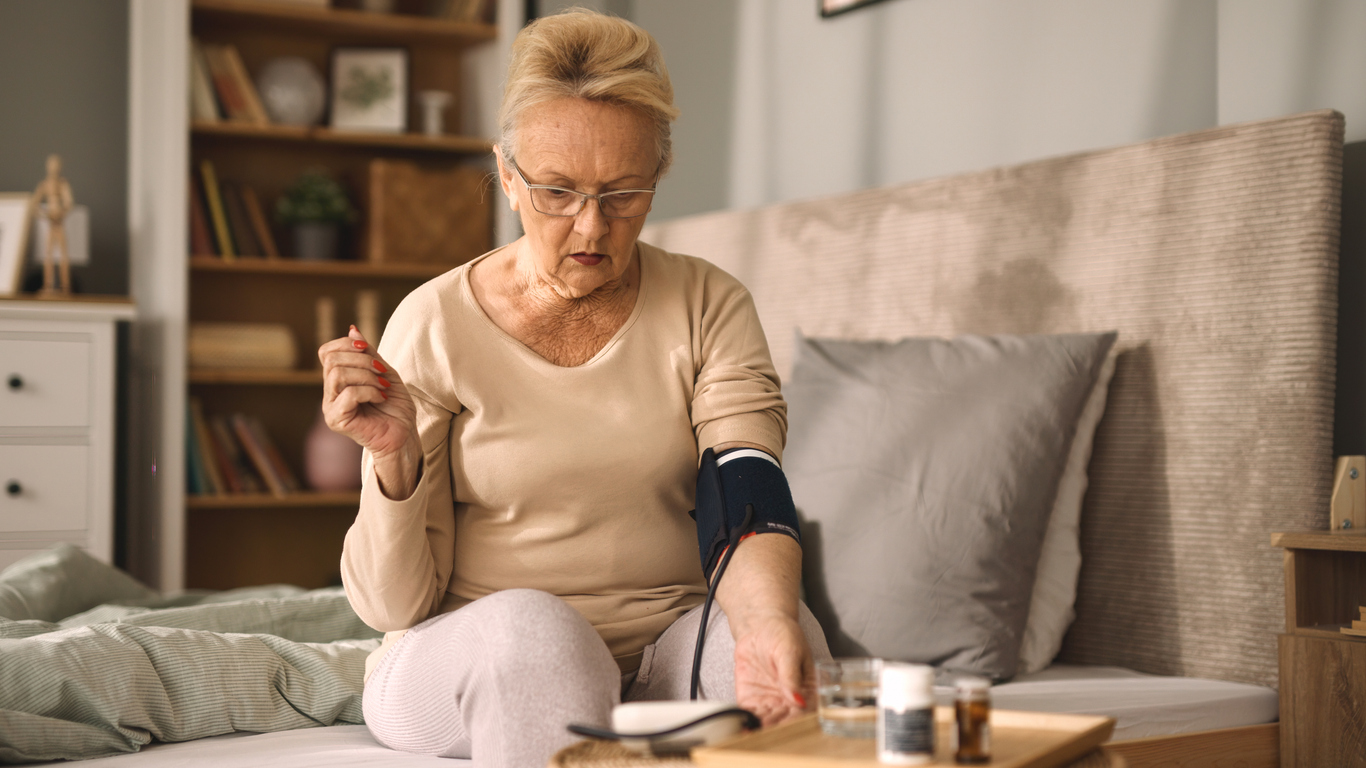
<point x="54" y="202"/>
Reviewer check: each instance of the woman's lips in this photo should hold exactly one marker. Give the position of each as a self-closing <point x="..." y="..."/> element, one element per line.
<point x="588" y="259"/>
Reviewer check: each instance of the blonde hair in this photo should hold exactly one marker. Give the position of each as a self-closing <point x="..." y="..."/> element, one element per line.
<point x="588" y="55"/>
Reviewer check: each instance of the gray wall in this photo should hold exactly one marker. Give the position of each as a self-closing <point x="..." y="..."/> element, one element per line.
<point x="64" y="89"/>
<point x="699" y="44"/>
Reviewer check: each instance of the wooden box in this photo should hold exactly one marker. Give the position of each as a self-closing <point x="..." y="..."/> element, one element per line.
<point x="427" y="214"/>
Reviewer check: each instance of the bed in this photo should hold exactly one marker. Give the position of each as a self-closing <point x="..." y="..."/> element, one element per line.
<point x="1214" y="256"/>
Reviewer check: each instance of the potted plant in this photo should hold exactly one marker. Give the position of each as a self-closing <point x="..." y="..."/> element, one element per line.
<point x="314" y="209"/>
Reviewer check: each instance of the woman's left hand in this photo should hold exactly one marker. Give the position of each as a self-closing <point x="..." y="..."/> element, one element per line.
<point x="774" y="673"/>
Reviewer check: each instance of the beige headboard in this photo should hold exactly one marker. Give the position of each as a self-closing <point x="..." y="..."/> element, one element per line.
<point x="1215" y="256"/>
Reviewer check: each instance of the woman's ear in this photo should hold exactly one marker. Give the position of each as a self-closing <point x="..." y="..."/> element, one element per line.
<point x="505" y="177"/>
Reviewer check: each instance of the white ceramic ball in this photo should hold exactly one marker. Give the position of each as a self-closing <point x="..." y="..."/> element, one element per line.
<point x="292" y="91"/>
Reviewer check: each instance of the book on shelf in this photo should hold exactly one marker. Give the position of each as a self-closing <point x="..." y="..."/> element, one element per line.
<point x="196" y="481"/>
<point x="239" y="475"/>
<point x="236" y="93"/>
<point x="201" y="240"/>
<point x="243" y="236"/>
<point x="203" y="101"/>
<point x="208" y="457"/>
<point x="259" y="224"/>
<point x="217" y="217"/>
<point x="256" y="111"/>
<point x="256" y="444"/>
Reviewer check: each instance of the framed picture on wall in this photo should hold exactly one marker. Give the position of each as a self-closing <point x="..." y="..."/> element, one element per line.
<point x="830" y="8"/>
<point x="370" y="89"/>
<point x="15" y="214"/>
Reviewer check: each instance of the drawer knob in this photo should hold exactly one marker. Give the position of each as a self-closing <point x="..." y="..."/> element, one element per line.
<point x="13" y="488"/>
<point x="16" y="382"/>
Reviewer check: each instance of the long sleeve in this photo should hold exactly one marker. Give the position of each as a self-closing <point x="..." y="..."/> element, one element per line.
<point x="736" y="396"/>
<point x="398" y="556"/>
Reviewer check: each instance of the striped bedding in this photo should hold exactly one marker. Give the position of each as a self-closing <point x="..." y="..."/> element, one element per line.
<point x="94" y="663"/>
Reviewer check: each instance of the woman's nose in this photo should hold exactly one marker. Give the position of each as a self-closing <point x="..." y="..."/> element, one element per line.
<point x="590" y="223"/>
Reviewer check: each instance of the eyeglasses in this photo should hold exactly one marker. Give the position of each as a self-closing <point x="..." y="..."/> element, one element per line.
<point x="559" y="201"/>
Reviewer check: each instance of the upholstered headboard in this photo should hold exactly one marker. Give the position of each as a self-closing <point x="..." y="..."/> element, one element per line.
<point x="1215" y="256"/>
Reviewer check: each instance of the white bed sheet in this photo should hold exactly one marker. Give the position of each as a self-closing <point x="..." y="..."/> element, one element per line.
<point x="1143" y="705"/>
<point x="340" y="745"/>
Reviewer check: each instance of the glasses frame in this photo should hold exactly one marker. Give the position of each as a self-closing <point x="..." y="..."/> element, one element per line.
<point x="584" y="196"/>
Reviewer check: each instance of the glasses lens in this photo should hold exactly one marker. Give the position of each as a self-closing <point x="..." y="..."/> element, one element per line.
<point x="626" y="204"/>
<point x="556" y="202"/>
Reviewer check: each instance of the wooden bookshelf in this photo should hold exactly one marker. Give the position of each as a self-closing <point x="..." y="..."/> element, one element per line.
<point x="347" y="269"/>
<point x="457" y="145"/>
<point x="357" y="26"/>
<point x="349" y="499"/>
<point x="248" y="376"/>
<point x="244" y="539"/>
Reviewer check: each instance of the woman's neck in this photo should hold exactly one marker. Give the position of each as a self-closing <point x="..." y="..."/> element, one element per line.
<point x="564" y="329"/>
<point x="543" y="299"/>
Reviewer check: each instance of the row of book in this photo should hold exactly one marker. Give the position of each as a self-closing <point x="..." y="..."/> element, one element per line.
<point x="233" y="455"/>
<point x="220" y="88"/>
<point x="226" y="218"/>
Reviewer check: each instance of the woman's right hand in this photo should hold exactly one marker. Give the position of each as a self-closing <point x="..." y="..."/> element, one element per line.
<point x="366" y="400"/>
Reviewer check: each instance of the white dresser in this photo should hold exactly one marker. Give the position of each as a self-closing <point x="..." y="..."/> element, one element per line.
<point x="57" y="392"/>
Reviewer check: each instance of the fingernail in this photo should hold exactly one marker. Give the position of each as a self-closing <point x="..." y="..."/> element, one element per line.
<point x="386" y="397"/>
<point x="801" y="700"/>
<point x="380" y="366"/>
<point x="353" y="327"/>
<point x="360" y="345"/>
<point x="383" y="382"/>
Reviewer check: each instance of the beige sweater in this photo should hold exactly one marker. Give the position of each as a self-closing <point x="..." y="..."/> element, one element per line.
<point x="576" y="481"/>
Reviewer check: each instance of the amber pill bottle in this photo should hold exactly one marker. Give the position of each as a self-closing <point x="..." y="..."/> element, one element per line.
<point x="972" y="704"/>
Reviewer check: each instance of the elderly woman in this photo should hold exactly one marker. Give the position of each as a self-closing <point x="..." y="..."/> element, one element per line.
<point x="532" y="425"/>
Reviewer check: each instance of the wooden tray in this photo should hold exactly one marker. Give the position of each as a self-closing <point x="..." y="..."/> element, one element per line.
<point x="1018" y="740"/>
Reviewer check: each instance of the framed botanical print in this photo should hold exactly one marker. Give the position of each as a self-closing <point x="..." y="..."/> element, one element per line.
<point x="370" y="89"/>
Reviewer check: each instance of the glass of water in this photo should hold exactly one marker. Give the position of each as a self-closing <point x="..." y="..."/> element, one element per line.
<point x="847" y="691"/>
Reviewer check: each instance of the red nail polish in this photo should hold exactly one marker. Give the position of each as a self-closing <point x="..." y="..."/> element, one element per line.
<point x="360" y="345"/>
<point x="386" y="397"/>
<point x="801" y="700"/>
<point x="380" y="366"/>
<point x="383" y="382"/>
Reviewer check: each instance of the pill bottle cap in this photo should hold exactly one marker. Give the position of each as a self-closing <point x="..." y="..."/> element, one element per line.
<point x="973" y="684"/>
<point x="906" y="685"/>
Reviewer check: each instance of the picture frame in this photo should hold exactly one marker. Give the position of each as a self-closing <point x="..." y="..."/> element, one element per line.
<point x="830" y="8"/>
<point x="370" y="89"/>
<point x="16" y="218"/>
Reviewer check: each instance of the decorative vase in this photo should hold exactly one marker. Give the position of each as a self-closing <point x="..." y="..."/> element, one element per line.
<point x="315" y="241"/>
<point x="292" y="91"/>
<point x="331" y="461"/>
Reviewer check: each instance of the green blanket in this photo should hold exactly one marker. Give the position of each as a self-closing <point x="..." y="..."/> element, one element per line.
<point x="94" y="663"/>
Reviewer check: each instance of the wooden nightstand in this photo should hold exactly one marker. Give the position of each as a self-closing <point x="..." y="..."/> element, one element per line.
<point x="57" y="437"/>
<point x="1323" y="671"/>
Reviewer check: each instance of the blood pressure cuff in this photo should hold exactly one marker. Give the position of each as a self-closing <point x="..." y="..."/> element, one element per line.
<point x="725" y="484"/>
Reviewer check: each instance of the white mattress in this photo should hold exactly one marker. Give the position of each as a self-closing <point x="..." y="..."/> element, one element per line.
<point x="339" y="745"/>
<point x="1143" y="705"/>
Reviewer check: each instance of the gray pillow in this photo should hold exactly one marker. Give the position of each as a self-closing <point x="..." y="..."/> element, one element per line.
<point x="925" y="471"/>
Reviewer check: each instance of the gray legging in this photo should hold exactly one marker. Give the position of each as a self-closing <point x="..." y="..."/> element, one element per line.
<point x="499" y="679"/>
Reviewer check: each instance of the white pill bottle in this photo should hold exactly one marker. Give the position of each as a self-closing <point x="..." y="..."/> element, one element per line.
<point x="905" y="714"/>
